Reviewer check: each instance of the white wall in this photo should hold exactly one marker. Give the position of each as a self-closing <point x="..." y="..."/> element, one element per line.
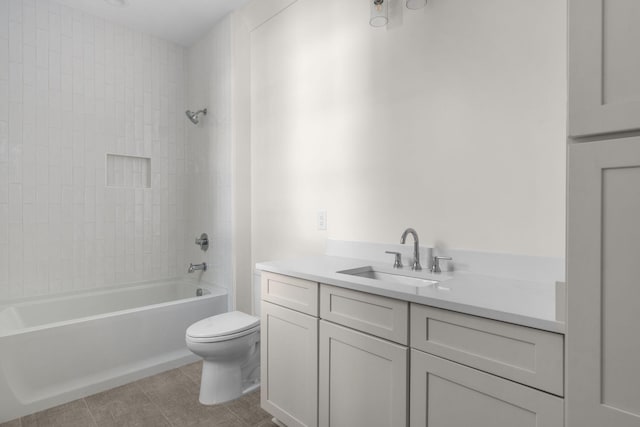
<point x="450" y="120"/>
<point x="209" y="155"/>
<point x="73" y="88"/>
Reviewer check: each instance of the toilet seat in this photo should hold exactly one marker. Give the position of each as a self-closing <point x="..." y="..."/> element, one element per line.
<point x="223" y="327"/>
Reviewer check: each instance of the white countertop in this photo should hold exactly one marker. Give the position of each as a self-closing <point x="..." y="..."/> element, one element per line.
<point x="525" y="303"/>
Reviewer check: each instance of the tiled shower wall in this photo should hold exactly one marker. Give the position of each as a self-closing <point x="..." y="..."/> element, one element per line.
<point x="208" y="154"/>
<point x="74" y="88"/>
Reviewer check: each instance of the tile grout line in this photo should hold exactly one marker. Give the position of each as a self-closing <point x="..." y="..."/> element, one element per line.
<point x="95" y="423"/>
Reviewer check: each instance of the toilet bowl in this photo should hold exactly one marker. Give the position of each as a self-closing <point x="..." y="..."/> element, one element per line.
<point x="229" y="345"/>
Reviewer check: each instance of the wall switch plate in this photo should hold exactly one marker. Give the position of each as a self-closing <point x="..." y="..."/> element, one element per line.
<point x="322" y="220"/>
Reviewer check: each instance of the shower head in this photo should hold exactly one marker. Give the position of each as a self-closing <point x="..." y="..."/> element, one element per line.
<point x="195" y="117"/>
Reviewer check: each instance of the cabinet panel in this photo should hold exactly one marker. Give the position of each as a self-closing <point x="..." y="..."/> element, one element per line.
<point x="289" y="360"/>
<point x="380" y="316"/>
<point x="291" y="292"/>
<point x="528" y="356"/>
<point x="363" y="379"/>
<point x="446" y="394"/>
<point x="604" y="65"/>
<point x="603" y="293"/>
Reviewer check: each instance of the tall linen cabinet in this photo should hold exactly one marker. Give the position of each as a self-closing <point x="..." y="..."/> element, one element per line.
<point x="603" y="214"/>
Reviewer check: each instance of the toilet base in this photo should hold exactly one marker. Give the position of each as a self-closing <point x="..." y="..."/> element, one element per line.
<point x="220" y="382"/>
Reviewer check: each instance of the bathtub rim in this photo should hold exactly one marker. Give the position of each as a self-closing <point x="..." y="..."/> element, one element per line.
<point x="213" y="291"/>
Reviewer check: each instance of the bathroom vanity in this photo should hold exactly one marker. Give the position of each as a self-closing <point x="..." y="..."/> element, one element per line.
<point x="349" y="343"/>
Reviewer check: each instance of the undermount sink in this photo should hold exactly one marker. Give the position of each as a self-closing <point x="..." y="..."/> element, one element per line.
<point x="401" y="277"/>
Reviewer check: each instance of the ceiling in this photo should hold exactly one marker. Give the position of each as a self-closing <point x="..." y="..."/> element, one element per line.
<point x="180" y="21"/>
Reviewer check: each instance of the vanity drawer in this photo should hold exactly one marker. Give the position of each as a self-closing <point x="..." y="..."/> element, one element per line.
<point x="521" y="354"/>
<point x="296" y="294"/>
<point x="376" y="315"/>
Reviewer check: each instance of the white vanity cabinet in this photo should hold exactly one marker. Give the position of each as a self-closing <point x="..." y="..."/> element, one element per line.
<point x="289" y="349"/>
<point x="337" y="357"/>
<point x="467" y="370"/>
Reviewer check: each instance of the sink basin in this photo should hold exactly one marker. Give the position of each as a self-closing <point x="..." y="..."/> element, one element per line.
<point x="393" y="276"/>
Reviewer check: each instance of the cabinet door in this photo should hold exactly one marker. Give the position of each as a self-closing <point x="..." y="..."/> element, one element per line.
<point x="604" y="66"/>
<point x="603" y="289"/>
<point x="363" y="379"/>
<point x="446" y="394"/>
<point x="289" y="365"/>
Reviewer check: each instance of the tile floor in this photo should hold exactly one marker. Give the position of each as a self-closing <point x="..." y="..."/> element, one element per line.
<point x="169" y="399"/>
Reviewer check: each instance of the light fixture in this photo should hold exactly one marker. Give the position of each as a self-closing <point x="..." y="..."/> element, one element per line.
<point x="416" y="4"/>
<point x="380" y="10"/>
<point x="379" y="13"/>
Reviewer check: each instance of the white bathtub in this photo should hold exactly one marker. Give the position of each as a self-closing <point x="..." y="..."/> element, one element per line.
<point x="57" y="349"/>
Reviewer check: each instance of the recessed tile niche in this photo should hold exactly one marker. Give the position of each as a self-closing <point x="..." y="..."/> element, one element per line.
<point x="128" y="171"/>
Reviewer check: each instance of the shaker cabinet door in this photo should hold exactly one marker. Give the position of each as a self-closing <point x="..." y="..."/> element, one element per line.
<point x="289" y="365"/>
<point x="604" y="66"/>
<point x="447" y="394"/>
<point x="363" y="379"/>
<point x="603" y="285"/>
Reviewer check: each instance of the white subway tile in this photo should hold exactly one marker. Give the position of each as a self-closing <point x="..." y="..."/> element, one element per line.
<point x="42" y="48"/>
<point x="16" y="260"/>
<point x="4" y="251"/>
<point x="15" y="42"/>
<point x="4" y="59"/>
<point x="78" y="45"/>
<point x="66" y="55"/>
<point x="29" y="25"/>
<point x="15" y="204"/>
<point x="4" y="183"/>
<point x="4" y="141"/>
<point x="54" y="32"/>
<point x="15" y="10"/>
<point x="4" y="19"/>
<point x="42" y="14"/>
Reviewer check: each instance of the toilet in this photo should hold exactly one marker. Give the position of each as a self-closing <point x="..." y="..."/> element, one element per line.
<point x="229" y="343"/>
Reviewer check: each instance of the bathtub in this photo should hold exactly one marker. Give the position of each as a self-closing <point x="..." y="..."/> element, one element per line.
<point x="57" y="349"/>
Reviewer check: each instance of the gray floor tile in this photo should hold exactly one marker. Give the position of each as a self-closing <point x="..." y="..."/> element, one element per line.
<point x="193" y="372"/>
<point x="72" y="414"/>
<point x="125" y="406"/>
<point x="169" y="399"/>
<point x="248" y="409"/>
<point x="177" y="397"/>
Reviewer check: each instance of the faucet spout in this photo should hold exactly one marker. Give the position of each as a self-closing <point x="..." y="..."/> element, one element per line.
<point x="195" y="267"/>
<point x="416" y="247"/>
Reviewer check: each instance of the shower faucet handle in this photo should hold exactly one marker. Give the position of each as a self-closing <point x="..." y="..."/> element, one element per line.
<point x="203" y="241"/>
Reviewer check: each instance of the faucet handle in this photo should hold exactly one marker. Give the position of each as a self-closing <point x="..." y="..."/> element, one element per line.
<point x="203" y="241"/>
<point x="397" y="262"/>
<point x="435" y="267"/>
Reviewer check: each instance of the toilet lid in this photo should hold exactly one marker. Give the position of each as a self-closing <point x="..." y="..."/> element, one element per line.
<point x="224" y="324"/>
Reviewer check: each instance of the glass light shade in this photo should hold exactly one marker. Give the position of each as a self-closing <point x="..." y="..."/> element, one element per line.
<point x="416" y="4"/>
<point x="379" y="13"/>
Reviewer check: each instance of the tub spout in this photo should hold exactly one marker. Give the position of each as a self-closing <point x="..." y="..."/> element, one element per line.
<point x="195" y="267"/>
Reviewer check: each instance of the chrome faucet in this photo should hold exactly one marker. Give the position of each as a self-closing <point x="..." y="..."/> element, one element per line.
<point x="195" y="267"/>
<point x="416" y="248"/>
